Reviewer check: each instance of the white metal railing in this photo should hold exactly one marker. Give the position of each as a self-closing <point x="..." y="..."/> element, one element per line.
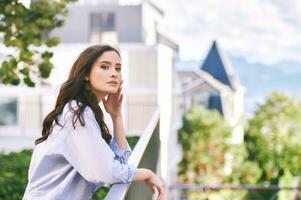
<point x="258" y="192"/>
<point x="145" y="154"/>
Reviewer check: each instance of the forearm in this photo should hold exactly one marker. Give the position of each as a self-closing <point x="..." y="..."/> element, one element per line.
<point x="143" y="174"/>
<point x="119" y="134"/>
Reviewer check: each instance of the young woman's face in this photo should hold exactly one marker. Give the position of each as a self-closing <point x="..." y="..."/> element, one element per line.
<point x="105" y="76"/>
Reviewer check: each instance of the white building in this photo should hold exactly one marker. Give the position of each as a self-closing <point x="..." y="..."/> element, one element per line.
<point x="216" y="86"/>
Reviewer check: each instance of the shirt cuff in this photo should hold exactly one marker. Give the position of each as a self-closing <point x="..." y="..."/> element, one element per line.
<point x="123" y="173"/>
<point x="122" y="154"/>
<point x="132" y="173"/>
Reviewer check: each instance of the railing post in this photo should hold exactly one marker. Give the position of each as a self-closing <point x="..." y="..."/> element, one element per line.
<point x="149" y="160"/>
<point x="145" y="155"/>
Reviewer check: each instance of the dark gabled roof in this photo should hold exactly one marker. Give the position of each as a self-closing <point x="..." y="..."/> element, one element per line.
<point x="215" y="102"/>
<point x="217" y="67"/>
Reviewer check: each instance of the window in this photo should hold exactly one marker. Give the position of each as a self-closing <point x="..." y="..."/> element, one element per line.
<point x="8" y="111"/>
<point x="103" y="28"/>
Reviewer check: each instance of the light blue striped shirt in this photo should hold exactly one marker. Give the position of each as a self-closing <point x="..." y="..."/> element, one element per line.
<point x="74" y="163"/>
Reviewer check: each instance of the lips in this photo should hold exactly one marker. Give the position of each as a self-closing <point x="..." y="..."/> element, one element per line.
<point x="112" y="82"/>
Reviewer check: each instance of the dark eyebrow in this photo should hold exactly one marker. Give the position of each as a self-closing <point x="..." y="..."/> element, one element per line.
<point x="107" y="62"/>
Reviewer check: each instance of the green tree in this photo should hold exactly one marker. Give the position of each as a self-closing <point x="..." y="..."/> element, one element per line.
<point x="25" y="33"/>
<point x="209" y="156"/>
<point x="13" y="174"/>
<point x="205" y="139"/>
<point x="273" y="138"/>
<point x="206" y="143"/>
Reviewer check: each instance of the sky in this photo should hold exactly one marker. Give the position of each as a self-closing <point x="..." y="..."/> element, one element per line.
<point x="263" y="31"/>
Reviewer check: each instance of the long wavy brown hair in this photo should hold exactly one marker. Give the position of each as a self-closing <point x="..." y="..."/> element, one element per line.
<point x="79" y="89"/>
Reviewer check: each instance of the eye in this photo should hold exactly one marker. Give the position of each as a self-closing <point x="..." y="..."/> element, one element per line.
<point x="104" y="67"/>
<point x="118" y="69"/>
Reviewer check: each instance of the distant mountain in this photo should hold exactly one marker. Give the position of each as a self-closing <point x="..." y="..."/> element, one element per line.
<point x="259" y="79"/>
<point x="262" y="79"/>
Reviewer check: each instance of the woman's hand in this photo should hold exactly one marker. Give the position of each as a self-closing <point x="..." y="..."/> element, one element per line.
<point x="154" y="183"/>
<point x="114" y="102"/>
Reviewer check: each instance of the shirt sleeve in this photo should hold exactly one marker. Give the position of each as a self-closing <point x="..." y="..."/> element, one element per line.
<point x="92" y="157"/>
<point x="122" y="155"/>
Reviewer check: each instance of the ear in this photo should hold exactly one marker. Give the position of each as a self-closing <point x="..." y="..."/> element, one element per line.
<point x="86" y="78"/>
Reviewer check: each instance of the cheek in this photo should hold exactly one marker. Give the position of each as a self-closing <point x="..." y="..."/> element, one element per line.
<point x="97" y="77"/>
<point x="99" y="74"/>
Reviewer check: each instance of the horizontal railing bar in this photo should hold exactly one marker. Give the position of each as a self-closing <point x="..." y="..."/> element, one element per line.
<point x="231" y="187"/>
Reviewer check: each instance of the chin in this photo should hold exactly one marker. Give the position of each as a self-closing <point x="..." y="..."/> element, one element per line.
<point x="113" y="91"/>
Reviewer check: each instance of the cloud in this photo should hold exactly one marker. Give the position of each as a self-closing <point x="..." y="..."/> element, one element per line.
<point x="260" y="30"/>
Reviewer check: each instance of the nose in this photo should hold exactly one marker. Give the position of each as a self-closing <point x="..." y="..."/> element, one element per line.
<point x="113" y="74"/>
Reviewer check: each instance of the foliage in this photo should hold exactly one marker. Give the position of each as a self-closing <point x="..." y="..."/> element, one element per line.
<point x="132" y="140"/>
<point x="25" y="31"/>
<point x="286" y="180"/>
<point x="14" y="171"/>
<point x="271" y="153"/>
<point x="205" y="139"/>
<point x="13" y="174"/>
<point x="209" y="156"/>
<point x="273" y="138"/>
<point x="243" y="171"/>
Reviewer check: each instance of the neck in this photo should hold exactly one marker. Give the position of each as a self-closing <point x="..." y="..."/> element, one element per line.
<point x="100" y="96"/>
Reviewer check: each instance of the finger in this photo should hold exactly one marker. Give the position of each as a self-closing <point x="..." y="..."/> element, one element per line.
<point x="151" y="189"/>
<point x="160" y="196"/>
<point x="120" y="86"/>
<point x="119" y="92"/>
<point x="160" y="190"/>
<point x="121" y="98"/>
<point x="156" y="193"/>
<point x="161" y="193"/>
<point x="155" y="190"/>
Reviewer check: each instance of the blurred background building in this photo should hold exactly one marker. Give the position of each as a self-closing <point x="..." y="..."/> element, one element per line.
<point x="216" y="86"/>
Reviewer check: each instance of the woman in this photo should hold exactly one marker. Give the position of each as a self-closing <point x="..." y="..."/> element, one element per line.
<point x="76" y="154"/>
